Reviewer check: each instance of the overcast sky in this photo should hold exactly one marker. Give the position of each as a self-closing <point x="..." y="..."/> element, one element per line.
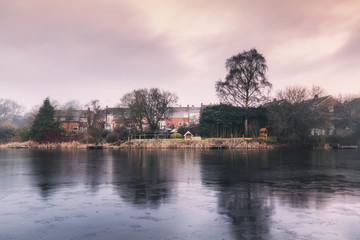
<point x="87" y="49"/>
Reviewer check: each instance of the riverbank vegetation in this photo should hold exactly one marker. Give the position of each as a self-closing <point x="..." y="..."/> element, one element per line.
<point x="210" y="143"/>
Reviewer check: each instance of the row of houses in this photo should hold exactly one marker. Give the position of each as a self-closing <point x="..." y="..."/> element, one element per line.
<point x="76" y="121"/>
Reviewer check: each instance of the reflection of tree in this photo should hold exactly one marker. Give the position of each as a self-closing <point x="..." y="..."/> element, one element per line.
<point x="144" y="178"/>
<point x="52" y="170"/>
<point x="238" y="177"/>
<point x="47" y="169"/>
<point x="249" y="207"/>
<point x="307" y="178"/>
<point x="248" y="184"/>
<point x="95" y="168"/>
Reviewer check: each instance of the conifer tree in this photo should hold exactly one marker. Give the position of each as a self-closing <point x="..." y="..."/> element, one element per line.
<point x="45" y="128"/>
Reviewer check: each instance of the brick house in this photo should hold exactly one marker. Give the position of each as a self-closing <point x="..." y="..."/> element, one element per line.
<point x="181" y="117"/>
<point x="73" y="121"/>
<point x="331" y="111"/>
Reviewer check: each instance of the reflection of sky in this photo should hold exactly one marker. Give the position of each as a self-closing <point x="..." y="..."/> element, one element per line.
<point x="339" y="219"/>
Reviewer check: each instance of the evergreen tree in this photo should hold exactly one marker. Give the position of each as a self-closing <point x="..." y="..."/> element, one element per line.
<point x="45" y="128"/>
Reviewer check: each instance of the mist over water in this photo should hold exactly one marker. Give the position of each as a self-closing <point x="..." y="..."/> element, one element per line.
<point x="177" y="194"/>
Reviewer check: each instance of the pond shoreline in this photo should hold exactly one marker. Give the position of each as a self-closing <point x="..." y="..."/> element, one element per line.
<point x="234" y="143"/>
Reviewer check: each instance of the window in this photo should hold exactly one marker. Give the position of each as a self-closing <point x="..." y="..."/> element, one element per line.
<point x="75" y="128"/>
<point x="180" y="123"/>
<point x="331" y="109"/>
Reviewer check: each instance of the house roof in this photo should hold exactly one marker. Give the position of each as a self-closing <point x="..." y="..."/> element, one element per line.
<point x="71" y="115"/>
<point x="183" y="112"/>
<point x="188" y="133"/>
<point x="315" y="102"/>
<point x="275" y="103"/>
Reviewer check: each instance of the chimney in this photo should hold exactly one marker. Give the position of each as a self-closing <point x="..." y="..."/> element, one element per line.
<point x="188" y="107"/>
<point x="316" y="96"/>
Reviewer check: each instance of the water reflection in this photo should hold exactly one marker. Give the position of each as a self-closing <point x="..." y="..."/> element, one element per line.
<point x="48" y="171"/>
<point x="239" y="179"/>
<point x="250" y="183"/>
<point x="144" y="178"/>
<point x="183" y="194"/>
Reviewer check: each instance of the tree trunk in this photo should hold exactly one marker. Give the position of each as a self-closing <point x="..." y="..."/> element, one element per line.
<point x="246" y="115"/>
<point x="246" y="127"/>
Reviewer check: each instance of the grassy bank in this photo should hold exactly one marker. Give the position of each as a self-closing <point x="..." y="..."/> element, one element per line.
<point x="216" y="143"/>
<point x="35" y="145"/>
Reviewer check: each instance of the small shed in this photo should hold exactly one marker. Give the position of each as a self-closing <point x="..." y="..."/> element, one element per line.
<point x="263" y="132"/>
<point x="188" y="136"/>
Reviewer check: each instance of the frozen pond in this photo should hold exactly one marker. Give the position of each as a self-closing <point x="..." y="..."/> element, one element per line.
<point x="177" y="194"/>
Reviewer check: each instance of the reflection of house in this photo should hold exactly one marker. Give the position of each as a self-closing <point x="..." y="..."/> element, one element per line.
<point x="181" y="117"/>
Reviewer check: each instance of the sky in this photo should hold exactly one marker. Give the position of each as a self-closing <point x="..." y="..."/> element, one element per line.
<point x="87" y="49"/>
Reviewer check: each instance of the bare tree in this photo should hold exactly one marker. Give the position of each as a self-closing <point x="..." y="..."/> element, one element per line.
<point x="72" y="104"/>
<point x="68" y="109"/>
<point x="157" y="105"/>
<point x="292" y="122"/>
<point x="95" y="121"/>
<point x="293" y="119"/>
<point x="246" y="83"/>
<point x="294" y="94"/>
<point x="151" y="105"/>
<point x="347" y="97"/>
<point x="351" y="104"/>
<point x="10" y="110"/>
<point x="317" y="91"/>
<point x="132" y="108"/>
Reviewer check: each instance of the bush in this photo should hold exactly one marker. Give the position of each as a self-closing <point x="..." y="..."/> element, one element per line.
<point x="176" y="135"/>
<point x="6" y="134"/>
<point x="112" y="137"/>
<point x="119" y="133"/>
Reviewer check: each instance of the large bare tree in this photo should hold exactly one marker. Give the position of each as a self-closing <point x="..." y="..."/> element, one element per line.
<point x="151" y="105"/>
<point x="246" y="83"/>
